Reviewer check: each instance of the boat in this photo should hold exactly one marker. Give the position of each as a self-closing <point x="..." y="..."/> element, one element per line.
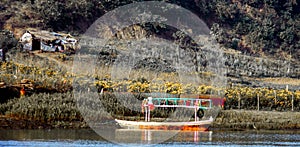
<point x="190" y="103"/>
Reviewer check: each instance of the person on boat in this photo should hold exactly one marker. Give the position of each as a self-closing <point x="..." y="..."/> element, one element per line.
<point x="150" y="104"/>
<point x="145" y="102"/>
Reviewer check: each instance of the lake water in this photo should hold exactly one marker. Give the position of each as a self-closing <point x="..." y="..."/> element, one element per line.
<point x="87" y="137"/>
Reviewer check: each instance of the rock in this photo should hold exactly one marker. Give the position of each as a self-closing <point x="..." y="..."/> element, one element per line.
<point x="7" y="40"/>
<point x="25" y="81"/>
<point x="2" y="84"/>
<point x="154" y="64"/>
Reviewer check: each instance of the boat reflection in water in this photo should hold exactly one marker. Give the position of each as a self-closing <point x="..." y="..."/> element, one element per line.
<point x="126" y="137"/>
<point x="139" y="136"/>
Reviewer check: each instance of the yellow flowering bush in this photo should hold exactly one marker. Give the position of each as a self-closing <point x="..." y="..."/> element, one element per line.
<point x="61" y="80"/>
<point x="139" y="87"/>
<point x="189" y="89"/>
<point x="269" y="99"/>
<point x="43" y="78"/>
<point x="173" y="88"/>
<point x="297" y="95"/>
<point x="155" y="87"/>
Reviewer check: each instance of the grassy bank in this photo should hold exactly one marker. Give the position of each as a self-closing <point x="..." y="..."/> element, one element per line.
<point x="60" y="110"/>
<point x="258" y="120"/>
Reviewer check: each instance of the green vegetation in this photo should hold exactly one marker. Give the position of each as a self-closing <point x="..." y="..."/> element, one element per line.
<point x="43" y="107"/>
<point x="269" y="99"/>
<point x="40" y="75"/>
<point x="51" y="78"/>
<point x="7" y="40"/>
<point x="64" y="107"/>
<point x="256" y="28"/>
<point x="253" y="27"/>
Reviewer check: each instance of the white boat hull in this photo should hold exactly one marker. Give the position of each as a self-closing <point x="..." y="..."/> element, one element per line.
<point x="193" y="125"/>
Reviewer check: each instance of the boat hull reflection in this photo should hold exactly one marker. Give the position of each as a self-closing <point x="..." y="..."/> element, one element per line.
<point x="158" y="136"/>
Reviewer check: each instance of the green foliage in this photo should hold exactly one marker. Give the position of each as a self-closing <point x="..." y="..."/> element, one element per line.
<point x="65" y="107"/>
<point x="266" y="27"/>
<point x="269" y="99"/>
<point x="43" y="107"/>
<point x="254" y="27"/>
<point x="68" y="15"/>
<point x="40" y="78"/>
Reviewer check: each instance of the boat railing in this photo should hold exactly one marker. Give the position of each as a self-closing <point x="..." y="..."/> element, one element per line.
<point x="194" y="103"/>
<point x="182" y="102"/>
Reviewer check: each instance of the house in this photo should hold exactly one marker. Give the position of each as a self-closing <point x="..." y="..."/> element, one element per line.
<point x="46" y="41"/>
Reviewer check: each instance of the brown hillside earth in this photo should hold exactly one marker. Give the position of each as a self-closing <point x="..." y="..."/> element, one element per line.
<point x="284" y="81"/>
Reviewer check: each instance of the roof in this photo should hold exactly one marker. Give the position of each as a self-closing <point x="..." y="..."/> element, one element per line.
<point x="47" y="35"/>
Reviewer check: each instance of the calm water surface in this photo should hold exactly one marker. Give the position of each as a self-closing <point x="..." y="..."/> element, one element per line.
<point x="86" y="137"/>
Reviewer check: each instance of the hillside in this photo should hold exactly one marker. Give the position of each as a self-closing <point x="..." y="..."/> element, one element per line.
<point x="260" y="39"/>
<point x="256" y="28"/>
<point x="261" y="67"/>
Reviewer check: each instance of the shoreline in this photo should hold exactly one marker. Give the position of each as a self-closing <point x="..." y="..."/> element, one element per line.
<point x="256" y="120"/>
<point x="234" y="120"/>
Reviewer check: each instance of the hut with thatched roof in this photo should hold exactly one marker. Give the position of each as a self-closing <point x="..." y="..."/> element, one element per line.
<point x="47" y="41"/>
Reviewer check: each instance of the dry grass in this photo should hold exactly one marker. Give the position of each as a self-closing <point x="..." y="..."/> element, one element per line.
<point x="282" y="81"/>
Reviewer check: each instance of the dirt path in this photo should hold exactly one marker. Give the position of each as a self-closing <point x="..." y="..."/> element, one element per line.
<point x="51" y="57"/>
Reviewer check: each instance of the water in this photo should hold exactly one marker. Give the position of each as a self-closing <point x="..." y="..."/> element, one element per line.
<point x="86" y="137"/>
